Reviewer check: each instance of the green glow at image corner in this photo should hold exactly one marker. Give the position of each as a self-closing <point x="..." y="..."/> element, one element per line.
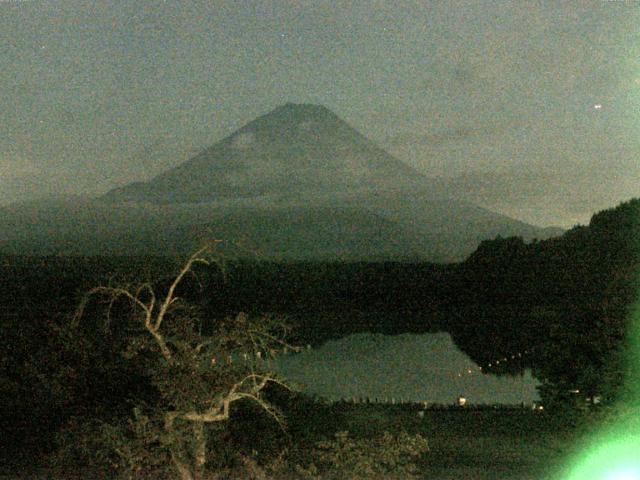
<point x="614" y="454"/>
<point x="613" y="457"/>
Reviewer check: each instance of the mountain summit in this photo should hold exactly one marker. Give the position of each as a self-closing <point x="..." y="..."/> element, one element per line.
<point x="296" y="148"/>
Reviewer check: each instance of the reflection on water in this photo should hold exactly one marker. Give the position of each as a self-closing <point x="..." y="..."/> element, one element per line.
<point x="426" y="367"/>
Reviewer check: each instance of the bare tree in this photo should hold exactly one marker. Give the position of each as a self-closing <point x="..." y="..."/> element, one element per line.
<point x="198" y="376"/>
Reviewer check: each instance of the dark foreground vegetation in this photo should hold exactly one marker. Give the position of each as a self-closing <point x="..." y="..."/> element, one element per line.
<point x="96" y="390"/>
<point x="360" y="441"/>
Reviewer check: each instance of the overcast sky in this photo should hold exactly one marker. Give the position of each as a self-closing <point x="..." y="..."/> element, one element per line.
<point x="537" y="102"/>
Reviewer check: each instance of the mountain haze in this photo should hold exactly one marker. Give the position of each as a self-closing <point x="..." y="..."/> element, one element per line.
<point x="297" y="183"/>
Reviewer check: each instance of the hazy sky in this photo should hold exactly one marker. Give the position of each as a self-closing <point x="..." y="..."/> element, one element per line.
<point x="537" y="102"/>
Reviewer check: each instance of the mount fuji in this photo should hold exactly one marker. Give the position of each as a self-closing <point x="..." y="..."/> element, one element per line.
<point x="297" y="183"/>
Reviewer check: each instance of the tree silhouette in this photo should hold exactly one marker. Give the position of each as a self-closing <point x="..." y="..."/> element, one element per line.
<point x="198" y="377"/>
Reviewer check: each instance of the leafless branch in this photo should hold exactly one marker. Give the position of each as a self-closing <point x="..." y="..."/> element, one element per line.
<point x="197" y="257"/>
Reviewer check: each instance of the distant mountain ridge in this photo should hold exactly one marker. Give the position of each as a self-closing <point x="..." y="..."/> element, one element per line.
<point x="297" y="183"/>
